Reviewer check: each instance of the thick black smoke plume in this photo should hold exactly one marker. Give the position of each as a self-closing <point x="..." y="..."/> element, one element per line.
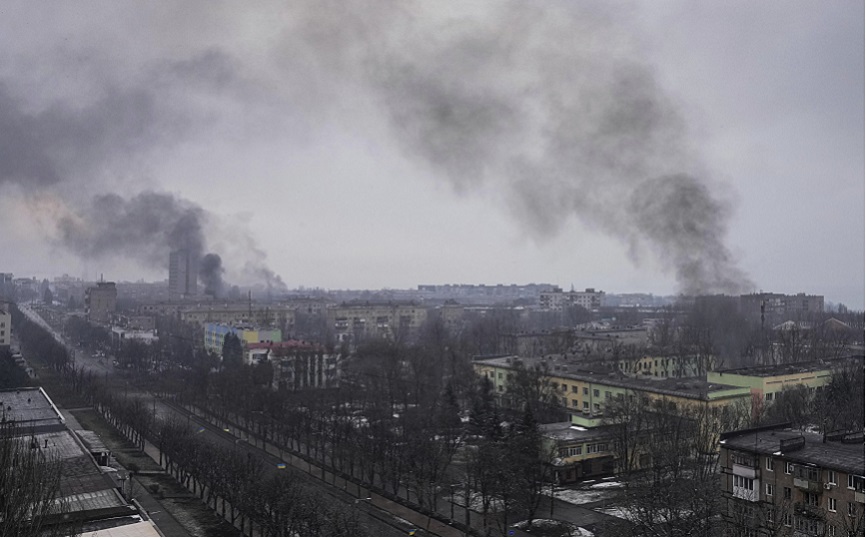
<point x="61" y="149"/>
<point x="544" y="102"/>
<point x="210" y="271"/>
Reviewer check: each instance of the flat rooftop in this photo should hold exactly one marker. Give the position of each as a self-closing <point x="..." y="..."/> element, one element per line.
<point x="687" y="387"/>
<point x="846" y="457"/>
<point x="567" y="432"/>
<point x="771" y="370"/>
<point x="29" y="407"/>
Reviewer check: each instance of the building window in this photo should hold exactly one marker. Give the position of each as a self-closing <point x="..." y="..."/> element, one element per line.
<point x="585" y="391"/>
<point x="769" y="490"/>
<point x="743" y="482"/>
<point x="786" y="493"/>
<point x="831" y="530"/>
<point x="573" y="403"/>
<point x="831" y="477"/>
<point x="786" y="519"/>
<point x="771" y="516"/>
<point x="595" y="393"/>
<point x="768" y="396"/>
<point x="586" y="405"/>
<point x="810" y="499"/>
<point x="809" y="473"/>
<point x="564" y="387"/>
<point x="855" y="482"/>
<point x="789" y="467"/>
<point x="607" y="395"/>
<point x="500" y="375"/>
<point x="575" y="450"/>
<point x="770" y="465"/>
<point x="831" y="504"/>
<point x="740" y="458"/>
<point x="852" y="509"/>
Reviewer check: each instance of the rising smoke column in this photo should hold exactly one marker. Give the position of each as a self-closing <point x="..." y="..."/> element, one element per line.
<point x="210" y="271"/>
<point x="58" y="153"/>
<point x="546" y="103"/>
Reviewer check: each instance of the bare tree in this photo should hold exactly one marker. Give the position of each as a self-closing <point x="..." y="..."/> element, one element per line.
<point x="29" y="485"/>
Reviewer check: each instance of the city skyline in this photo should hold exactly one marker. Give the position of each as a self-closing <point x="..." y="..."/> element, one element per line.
<point x="274" y="137"/>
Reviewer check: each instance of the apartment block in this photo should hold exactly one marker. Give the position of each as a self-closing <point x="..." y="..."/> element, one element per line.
<point x="215" y="333"/>
<point x="557" y="300"/>
<point x="354" y="322"/>
<point x="781" y="482"/>
<point x="100" y="302"/>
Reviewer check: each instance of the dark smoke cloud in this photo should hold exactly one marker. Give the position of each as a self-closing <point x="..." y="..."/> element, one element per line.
<point x="146" y="227"/>
<point x="62" y="141"/>
<point x="542" y="102"/>
<point x="211" y="273"/>
<point x="68" y="146"/>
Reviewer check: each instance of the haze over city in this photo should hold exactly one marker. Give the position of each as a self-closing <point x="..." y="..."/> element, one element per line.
<point x="675" y="147"/>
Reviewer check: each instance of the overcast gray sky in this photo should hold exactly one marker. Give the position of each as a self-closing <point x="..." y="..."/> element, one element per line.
<point x="629" y="146"/>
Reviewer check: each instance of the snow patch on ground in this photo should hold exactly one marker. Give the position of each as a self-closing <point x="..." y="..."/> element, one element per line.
<point x="580" y="496"/>
<point x="607" y="485"/>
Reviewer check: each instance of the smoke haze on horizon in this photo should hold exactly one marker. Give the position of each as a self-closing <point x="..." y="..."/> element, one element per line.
<point x="549" y="115"/>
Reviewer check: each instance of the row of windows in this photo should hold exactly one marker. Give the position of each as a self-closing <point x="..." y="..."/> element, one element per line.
<point x="592" y="448"/>
<point x="810" y="473"/>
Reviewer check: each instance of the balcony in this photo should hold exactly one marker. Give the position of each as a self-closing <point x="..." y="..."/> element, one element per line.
<point x="812" y="486"/>
<point x="858" y="497"/>
<point x="743" y="470"/>
<point x="809" y="510"/>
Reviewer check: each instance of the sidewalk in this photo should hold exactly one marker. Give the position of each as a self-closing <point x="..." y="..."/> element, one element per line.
<point x="165" y="522"/>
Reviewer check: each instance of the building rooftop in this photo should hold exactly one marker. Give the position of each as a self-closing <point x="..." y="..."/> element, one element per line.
<point x="288" y="344"/>
<point x="687" y="387"/>
<point x="567" y="432"/>
<point x="814" y="449"/>
<point x="770" y="370"/>
<point x="29" y="407"/>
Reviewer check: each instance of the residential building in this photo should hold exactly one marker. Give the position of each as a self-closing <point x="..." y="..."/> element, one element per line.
<point x="100" y="302"/>
<point x="5" y="328"/>
<point x="775" y="308"/>
<point x="355" y="322"/>
<point x="297" y="365"/>
<point x="557" y="300"/>
<point x="215" y="333"/>
<point x="780" y="482"/>
<point x="282" y="315"/>
<point x="182" y="274"/>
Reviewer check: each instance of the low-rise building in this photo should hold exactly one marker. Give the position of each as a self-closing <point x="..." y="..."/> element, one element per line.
<point x="781" y="482"/>
<point x="88" y="494"/>
<point x="766" y="382"/>
<point x="215" y="333"/>
<point x="587" y="440"/>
